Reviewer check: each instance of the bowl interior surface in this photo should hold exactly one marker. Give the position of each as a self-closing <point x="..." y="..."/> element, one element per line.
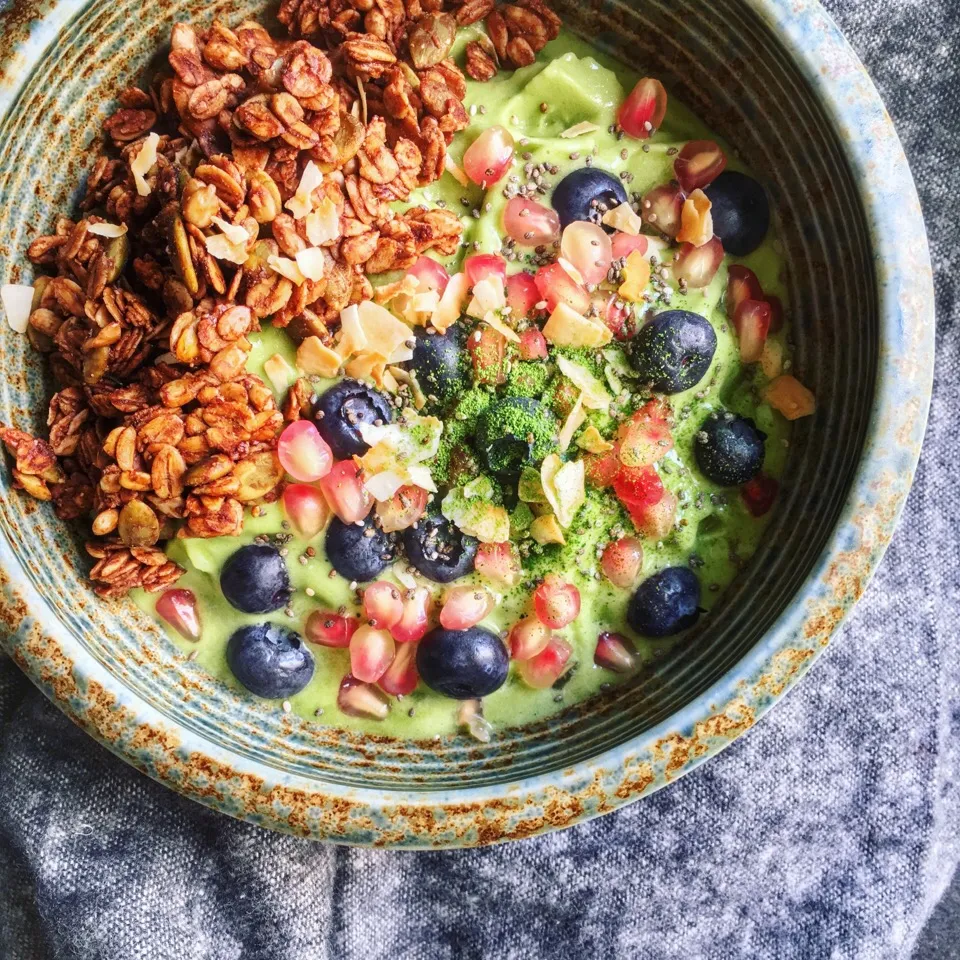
<point x="723" y="61"/>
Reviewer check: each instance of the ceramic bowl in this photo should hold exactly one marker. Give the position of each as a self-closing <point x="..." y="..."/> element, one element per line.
<point x="774" y="77"/>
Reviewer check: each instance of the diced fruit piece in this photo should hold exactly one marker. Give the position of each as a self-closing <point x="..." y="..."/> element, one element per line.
<point x="622" y="561"/>
<point x="771" y="360"/>
<point x="306" y="508"/>
<point x="645" y="438"/>
<point x="587" y="194"/>
<point x="776" y="314"/>
<point x="522" y="295"/>
<point x="303" y="453"/>
<point x="530" y="223"/>
<point x="498" y="562"/>
<point x="753" y="324"/>
<point x="486" y="160"/>
<point x="615" y="652"/>
<point x="462" y="664"/>
<point x="655" y="520"/>
<point x="546" y="529"/>
<point x="741" y="212"/>
<point x="548" y="666"/>
<point x="345" y="493"/>
<point x="557" y="286"/>
<point x="698" y="164"/>
<point x="602" y="468"/>
<point x="790" y="397"/>
<point x="636" y="277"/>
<point x="359" y="551"/>
<point x="527" y="638"/>
<point x="403" y="510"/>
<point x="179" y="609"/>
<point x="623" y="244"/>
<point x="665" y="603"/>
<point x="488" y="353"/>
<point x="439" y="549"/>
<point x="533" y="345"/>
<point x="587" y="246"/>
<point x="340" y="411"/>
<point x="729" y="449"/>
<point x="662" y="209"/>
<point x="697" y="266"/>
<point x="330" y="629"/>
<point x="269" y="660"/>
<point x="255" y="580"/>
<point x="759" y="494"/>
<point x="401" y="677"/>
<point x="479" y="266"/>
<point x="638" y="486"/>
<point x="642" y="112"/>
<point x="673" y="352"/>
<point x="382" y="604"/>
<point x="464" y="607"/>
<point x="696" y="221"/>
<point x="556" y="602"/>
<point x="371" y="652"/>
<point x="742" y="284"/>
<point x="431" y="274"/>
<point x="358" y="699"/>
<point x="415" y="619"/>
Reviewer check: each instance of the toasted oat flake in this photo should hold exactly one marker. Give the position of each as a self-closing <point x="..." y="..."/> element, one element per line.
<point x="109" y="230"/>
<point x="143" y="163"/>
<point x="17" y="302"/>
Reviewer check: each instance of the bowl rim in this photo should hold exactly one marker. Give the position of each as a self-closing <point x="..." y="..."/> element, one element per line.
<point x="242" y="787"/>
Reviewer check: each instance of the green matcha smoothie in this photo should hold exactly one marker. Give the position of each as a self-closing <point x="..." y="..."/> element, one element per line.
<point x="714" y="534"/>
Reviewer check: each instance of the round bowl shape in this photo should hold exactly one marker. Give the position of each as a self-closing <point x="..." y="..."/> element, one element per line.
<point x="775" y="78"/>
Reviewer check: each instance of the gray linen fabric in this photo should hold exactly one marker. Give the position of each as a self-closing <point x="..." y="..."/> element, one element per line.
<point x="827" y="832"/>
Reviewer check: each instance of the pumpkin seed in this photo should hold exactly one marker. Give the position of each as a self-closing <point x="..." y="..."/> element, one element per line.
<point x="138" y="525"/>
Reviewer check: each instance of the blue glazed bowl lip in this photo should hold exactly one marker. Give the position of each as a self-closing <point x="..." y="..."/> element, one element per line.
<point x="705" y="725"/>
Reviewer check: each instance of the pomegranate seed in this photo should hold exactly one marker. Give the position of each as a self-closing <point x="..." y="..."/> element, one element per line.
<point x="655" y="520"/>
<point x="382" y="604"/>
<point x="616" y="315"/>
<point x="752" y="322"/>
<point x="698" y="164"/>
<point x="546" y="668"/>
<point x="530" y="223"/>
<point x="556" y="602"/>
<point x="345" y="492"/>
<point x="522" y="294"/>
<point x="645" y="438"/>
<point x="465" y="607"/>
<point x="479" y="266"/>
<point x="430" y="274"/>
<point x="487" y="351"/>
<point x="179" y="609"/>
<point x="330" y="629"/>
<point x="587" y="246"/>
<point x="742" y="284"/>
<point x="533" y="345"/>
<point x="615" y="652"/>
<point x="486" y="160"/>
<point x="638" y="486"/>
<point x="306" y="508"/>
<point x="622" y="560"/>
<point x="759" y="493"/>
<point x="641" y="114"/>
<point x="303" y="453"/>
<point x="415" y="619"/>
<point x="498" y="562"/>
<point x="776" y="314"/>
<point x="403" y="510"/>
<point x="556" y="286"/>
<point x="697" y="265"/>
<point x="601" y="468"/>
<point x="371" y="652"/>
<point x="623" y="244"/>
<point x="357" y="699"/>
<point x="401" y="676"/>
<point x="527" y="638"/>
<point x="662" y="209"/>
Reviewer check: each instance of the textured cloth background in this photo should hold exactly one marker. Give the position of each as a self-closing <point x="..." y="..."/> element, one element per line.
<point x="827" y="832"/>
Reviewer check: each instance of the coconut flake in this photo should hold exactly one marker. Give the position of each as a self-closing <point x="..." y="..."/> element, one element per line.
<point x="592" y="441"/>
<point x="567" y="328"/>
<point x="579" y="129"/>
<point x="493" y="320"/>
<point x="286" y="268"/>
<point x="564" y="487"/>
<point x="488" y="294"/>
<point x="352" y="338"/>
<point x="323" y="224"/>
<point x="448" y="310"/>
<point x="571" y="425"/>
<point x="383" y="331"/>
<point x="109" y="230"/>
<point x="301" y="203"/>
<point x="456" y="172"/>
<point x="279" y="373"/>
<point x="595" y="397"/>
<point x="314" y="358"/>
<point x="17" y="304"/>
<point x="143" y="163"/>
<point x="623" y="218"/>
<point x="312" y="263"/>
<point x="234" y="232"/>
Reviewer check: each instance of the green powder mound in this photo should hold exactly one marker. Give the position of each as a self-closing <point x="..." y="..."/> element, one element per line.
<point x="471" y="404"/>
<point x="528" y="379"/>
<point x="593" y="360"/>
<point x="515" y="431"/>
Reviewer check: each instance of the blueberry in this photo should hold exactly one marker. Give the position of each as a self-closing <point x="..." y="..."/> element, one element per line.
<point x="673" y="351"/>
<point x="665" y="603"/>
<point x="439" y="549"/>
<point x="340" y="411"/>
<point x="729" y="449"/>
<point x="255" y="579"/>
<point x="579" y="194"/>
<point x="441" y="363"/>
<point x="741" y="212"/>
<point x="514" y="432"/>
<point x="269" y="660"/>
<point x="462" y="664"/>
<point x="359" y="552"/>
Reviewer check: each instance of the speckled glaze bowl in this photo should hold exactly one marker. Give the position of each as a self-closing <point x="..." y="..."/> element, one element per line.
<point x="776" y="78"/>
